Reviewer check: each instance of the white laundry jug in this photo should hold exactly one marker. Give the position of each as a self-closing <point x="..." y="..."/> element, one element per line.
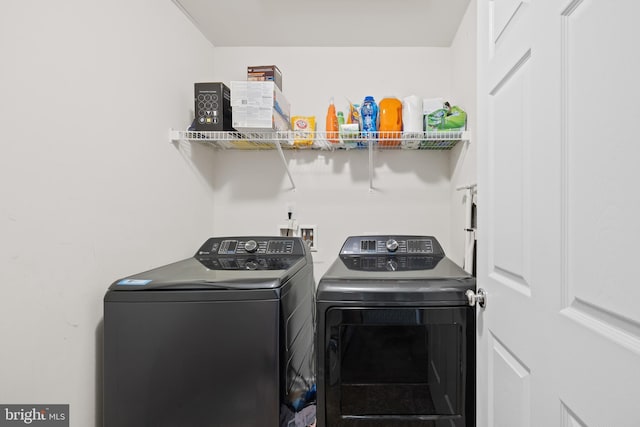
<point x="412" y="121"/>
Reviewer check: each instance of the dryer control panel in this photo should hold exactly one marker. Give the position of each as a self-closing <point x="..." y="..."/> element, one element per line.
<point x="392" y="245"/>
<point x="389" y="263"/>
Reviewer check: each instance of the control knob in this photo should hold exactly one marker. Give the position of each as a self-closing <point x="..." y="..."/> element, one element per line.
<point x="251" y="246"/>
<point x="392" y="245"/>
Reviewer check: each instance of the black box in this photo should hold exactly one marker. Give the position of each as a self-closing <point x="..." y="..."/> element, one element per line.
<point x="212" y="107"/>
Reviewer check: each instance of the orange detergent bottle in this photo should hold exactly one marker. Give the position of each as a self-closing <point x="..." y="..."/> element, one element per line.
<point x="390" y="128"/>
<point x="332" y="124"/>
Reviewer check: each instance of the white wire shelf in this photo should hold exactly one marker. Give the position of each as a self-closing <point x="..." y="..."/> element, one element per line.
<point x="292" y="140"/>
<point x="430" y="140"/>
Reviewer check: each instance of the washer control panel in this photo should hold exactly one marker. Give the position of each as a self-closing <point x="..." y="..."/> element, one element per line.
<point x="392" y="244"/>
<point x="251" y="253"/>
<point x="251" y="245"/>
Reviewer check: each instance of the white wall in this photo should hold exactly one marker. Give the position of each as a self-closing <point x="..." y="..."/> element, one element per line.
<point x="412" y="188"/>
<point x="463" y="156"/>
<point x="90" y="187"/>
<point x="91" y="190"/>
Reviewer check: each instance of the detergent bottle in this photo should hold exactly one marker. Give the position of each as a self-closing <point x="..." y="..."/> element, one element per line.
<point x="390" y="127"/>
<point x="412" y="121"/>
<point x="332" y="123"/>
<point x="369" y="117"/>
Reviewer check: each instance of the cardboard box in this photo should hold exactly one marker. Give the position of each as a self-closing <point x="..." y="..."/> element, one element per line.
<point x="265" y="73"/>
<point x="259" y="107"/>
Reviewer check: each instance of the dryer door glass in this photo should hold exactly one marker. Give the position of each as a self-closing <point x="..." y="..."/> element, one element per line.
<point x="388" y="364"/>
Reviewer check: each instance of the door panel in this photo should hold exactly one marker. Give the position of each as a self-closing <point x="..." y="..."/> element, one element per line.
<point x="510" y="404"/>
<point x="509" y="105"/>
<point x="559" y="341"/>
<point x="569" y="419"/>
<point x="505" y="43"/>
<point x="504" y="11"/>
<point x="598" y="163"/>
<point x="600" y="174"/>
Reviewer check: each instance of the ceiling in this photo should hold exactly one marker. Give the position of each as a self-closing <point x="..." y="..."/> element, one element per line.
<point x="384" y="23"/>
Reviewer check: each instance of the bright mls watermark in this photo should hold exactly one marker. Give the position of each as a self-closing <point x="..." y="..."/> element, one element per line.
<point x="34" y="415"/>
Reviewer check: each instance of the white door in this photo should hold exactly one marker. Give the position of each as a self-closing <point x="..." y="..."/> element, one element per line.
<point x="559" y="213"/>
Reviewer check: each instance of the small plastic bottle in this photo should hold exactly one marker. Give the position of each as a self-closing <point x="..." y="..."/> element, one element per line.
<point x="340" y="123"/>
<point x="332" y="123"/>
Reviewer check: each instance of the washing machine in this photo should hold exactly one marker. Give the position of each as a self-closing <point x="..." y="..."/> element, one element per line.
<point x="221" y="339"/>
<point x="395" y="336"/>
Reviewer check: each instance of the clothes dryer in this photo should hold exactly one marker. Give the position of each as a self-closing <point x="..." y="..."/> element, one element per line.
<point x="395" y="336"/>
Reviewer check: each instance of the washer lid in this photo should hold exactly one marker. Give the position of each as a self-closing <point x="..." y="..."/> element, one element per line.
<point x="226" y="263"/>
<point x="444" y="284"/>
<point x="193" y="274"/>
<point x="394" y="268"/>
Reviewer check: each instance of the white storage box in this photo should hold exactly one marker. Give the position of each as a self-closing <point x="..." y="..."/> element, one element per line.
<point x="259" y="107"/>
